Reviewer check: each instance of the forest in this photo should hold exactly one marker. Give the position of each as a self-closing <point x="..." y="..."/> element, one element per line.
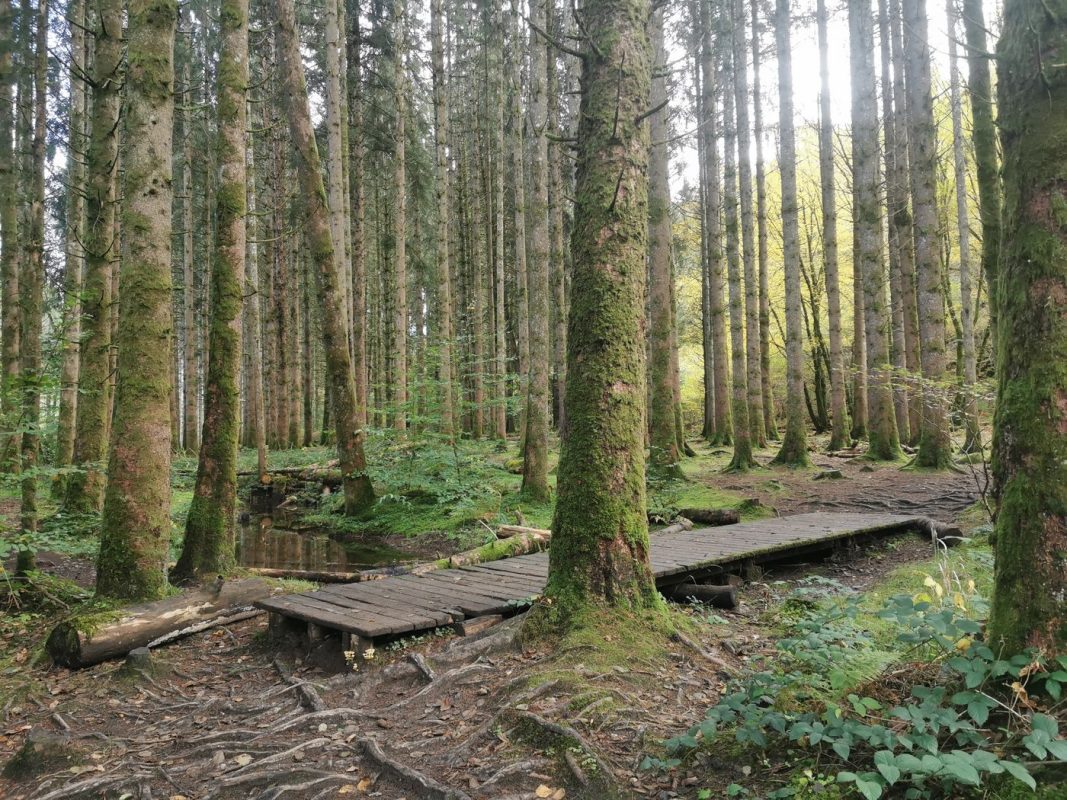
<point x="472" y="399"/>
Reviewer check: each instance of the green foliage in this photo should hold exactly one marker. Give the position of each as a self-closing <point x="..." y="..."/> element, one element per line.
<point x="978" y="714"/>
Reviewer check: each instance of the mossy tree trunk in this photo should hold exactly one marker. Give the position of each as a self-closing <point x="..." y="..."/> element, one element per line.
<point x="742" y="438"/>
<point x="895" y="192"/>
<point x="753" y="363"/>
<point x="558" y="154"/>
<point x="9" y="260"/>
<point x="794" y="449"/>
<point x="838" y="411"/>
<point x="85" y="489"/>
<point x="31" y="296"/>
<point x="984" y="138"/>
<point x="599" y="550"/>
<point x="538" y="419"/>
<point x="209" y="527"/>
<point x="664" y="454"/>
<point x="1030" y="430"/>
<point x="934" y="433"/>
<point x="359" y="494"/>
<point x="257" y="414"/>
<point x="883" y="440"/>
<point x="518" y="179"/>
<point x="135" y="530"/>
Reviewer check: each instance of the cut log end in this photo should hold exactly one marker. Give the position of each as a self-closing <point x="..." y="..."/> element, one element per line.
<point x="717" y="596"/>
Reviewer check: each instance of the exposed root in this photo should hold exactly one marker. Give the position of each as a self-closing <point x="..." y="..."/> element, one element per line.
<point x="309" y="698"/>
<point x="327" y="715"/>
<point x="428" y="788"/>
<point x="681" y="638"/>
<point x="301" y="789"/>
<point x="439" y="685"/>
<point x="94" y="785"/>
<point x="423" y="667"/>
<point x="565" y="732"/>
<point x="245" y="774"/>
<point x="519" y="768"/>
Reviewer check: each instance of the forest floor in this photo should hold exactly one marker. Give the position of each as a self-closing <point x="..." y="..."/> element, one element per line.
<point x="230" y="713"/>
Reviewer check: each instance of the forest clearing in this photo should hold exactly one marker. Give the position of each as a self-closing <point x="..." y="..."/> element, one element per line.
<point x="474" y="400"/>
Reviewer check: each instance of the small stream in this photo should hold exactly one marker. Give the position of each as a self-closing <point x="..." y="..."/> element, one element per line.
<point x="265" y="541"/>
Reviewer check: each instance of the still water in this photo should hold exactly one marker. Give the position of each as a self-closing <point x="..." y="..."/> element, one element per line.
<point x="261" y="544"/>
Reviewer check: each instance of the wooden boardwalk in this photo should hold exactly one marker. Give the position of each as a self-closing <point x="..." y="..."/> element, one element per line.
<point x="407" y="604"/>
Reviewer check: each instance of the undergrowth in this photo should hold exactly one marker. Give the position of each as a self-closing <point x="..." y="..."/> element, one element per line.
<point x="893" y="694"/>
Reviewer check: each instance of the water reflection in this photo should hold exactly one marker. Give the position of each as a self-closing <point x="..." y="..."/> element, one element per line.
<point x="261" y="544"/>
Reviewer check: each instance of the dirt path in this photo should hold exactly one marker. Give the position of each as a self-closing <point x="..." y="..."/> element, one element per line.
<point x="231" y="714"/>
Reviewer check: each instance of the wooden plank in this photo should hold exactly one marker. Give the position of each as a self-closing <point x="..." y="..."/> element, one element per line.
<point x="354" y="614"/>
<point x="298" y="607"/>
<point x="406" y="612"/>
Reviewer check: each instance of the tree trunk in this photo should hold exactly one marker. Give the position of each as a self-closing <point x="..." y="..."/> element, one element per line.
<point x="935" y="444"/>
<point x="742" y="439"/>
<point x="753" y="362"/>
<point x="535" y="450"/>
<point x="557" y="155"/>
<point x="884" y="443"/>
<point x="253" y="324"/>
<point x="769" y="422"/>
<point x="358" y="212"/>
<point x="522" y="302"/>
<point x="664" y="455"/>
<point x="75" y="254"/>
<point x="335" y="158"/>
<point x="983" y="135"/>
<point x="359" y="494"/>
<point x="600" y="545"/>
<point x="838" y="411"/>
<point x="1030" y="431"/>
<point x="400" y="225"/>
<point x="9" y="259"/>
<point x="442" y="278"/>
<point x="495" y="59"/>
<point x="191" y="439"/>
<point x="896" y="194"/>
<point x="208" y="546"/>
<point x="794" y="450"/>
<point x="31" y="296"/>
<point x="136" y="526"/>
<point x="973" y="438"/>
<point x="85" y="489"/>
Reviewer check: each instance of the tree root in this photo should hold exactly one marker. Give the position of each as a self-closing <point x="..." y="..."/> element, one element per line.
<point x="309" y="698"/>
<point x="79" y="788"/>
<point x="438" y="685"/>
<point x="721" y="665"/>
<point x="557" y="730"/>
<point x="405" y="775"/>
<point x="245" y="774"/>
<point x="422" y="666"/>
<point x="520" y="768"/>
<point x="301" y="789"/>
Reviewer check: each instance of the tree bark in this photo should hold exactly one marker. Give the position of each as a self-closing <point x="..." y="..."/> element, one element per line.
<point x="983" y="135"/>
<point x="208" y="547"/>
<point x="9" y="259"/>
<point x="75" y="236"/>
<point x="753" y="357"/>
<point x="794" y="450"/>
<point x="664" y="455"/>
<point x="538" y="421"/>
<point x="136" y="526"/>
<point x="358" y="212"/>
<point x="883" y="440"/>
<point x="973" y="438"/>
<point x="1030" y="430"/>
<point x="599" y="554"/>
<point x="85" y="488"/>
<point x="935" y="444"/>
<point x="838" y="411"/>
<point x="522" y="301"/>
<point x="557" y="155"/>
<point x="252" y="310"/>
<point x="400" y="226"/>
<point x="769" y="421"/>
<point x="359" y="494"/>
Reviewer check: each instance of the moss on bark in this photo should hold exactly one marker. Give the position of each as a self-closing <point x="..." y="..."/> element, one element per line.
<point x="209" y="527"/>
<point x="1030" y="430"/>
<point x="599" y="552"/>
<point x="135" y="529"/>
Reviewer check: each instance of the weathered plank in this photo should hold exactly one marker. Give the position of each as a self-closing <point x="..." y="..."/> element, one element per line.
<point x="411" y="603"/>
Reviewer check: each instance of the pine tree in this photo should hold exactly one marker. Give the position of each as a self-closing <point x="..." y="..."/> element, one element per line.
<point x="599" y="552"/>
<point x="136" y="526"/>
<point x="1030" y="429"/>
<point x="9" y="262"/>
<point x="208" y="546"/>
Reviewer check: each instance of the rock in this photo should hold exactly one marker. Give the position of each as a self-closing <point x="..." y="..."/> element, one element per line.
<point x="829" y="474"/>
<point x="42" y="752"/>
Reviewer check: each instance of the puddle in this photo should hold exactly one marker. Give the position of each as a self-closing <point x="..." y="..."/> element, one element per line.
<point x="261" y="544"/>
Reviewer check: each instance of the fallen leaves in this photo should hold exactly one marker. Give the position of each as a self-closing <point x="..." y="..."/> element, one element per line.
<point x="546" y="792"/>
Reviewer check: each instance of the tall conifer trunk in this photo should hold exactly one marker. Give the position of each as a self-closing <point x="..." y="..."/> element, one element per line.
<point x="599" y="552"/>
<point x="136" y="526"/>
<point x="208" y="546"/>
<point x="9" y="262"/>
<point x="1030" y="430"/>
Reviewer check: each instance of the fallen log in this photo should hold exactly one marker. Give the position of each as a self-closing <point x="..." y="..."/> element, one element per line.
<point x="530" y="541"/>
<point x="90" y="639"/>
<point x="507" y="531"/>
<point x="712" y="516"/>
<point x="718" y="596"/>
<point x="680" y="525"/>
<point x="317" y="576"/>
